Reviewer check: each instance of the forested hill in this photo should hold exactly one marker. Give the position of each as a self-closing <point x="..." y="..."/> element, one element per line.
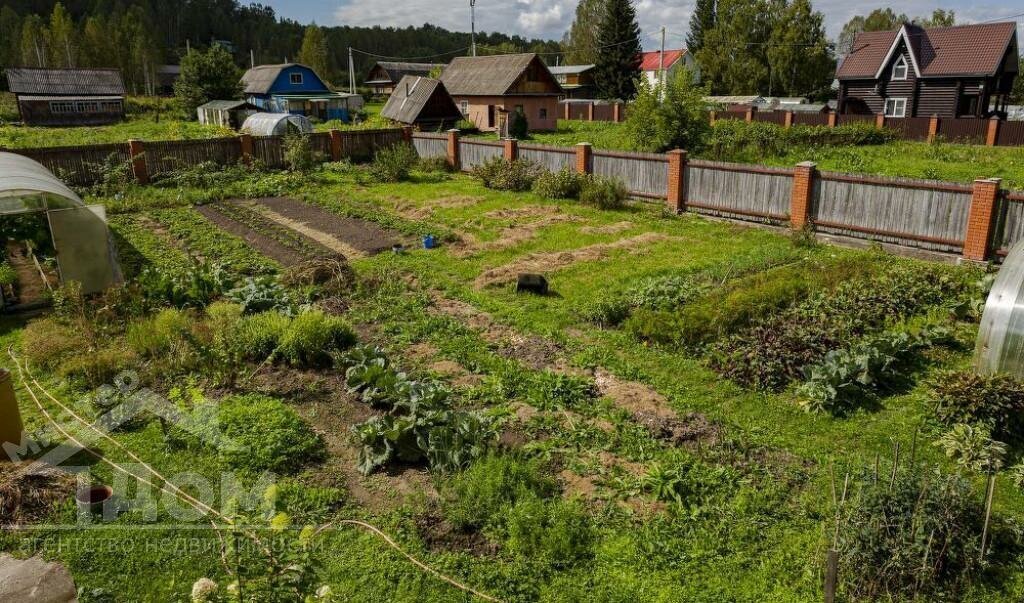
<point x="136" y="34"/>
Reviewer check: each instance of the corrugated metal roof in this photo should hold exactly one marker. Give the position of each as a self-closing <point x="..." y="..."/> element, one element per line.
<point x="224" y="105"/>
<point x="569" y="69"/>
<point x="411" y="96"/>
<point x="651" y="61"/>
<point x="485" y="76"/>
<point x="961" y="50"/>
<point x="397" y="70"/>
<point x="65" y="82"/>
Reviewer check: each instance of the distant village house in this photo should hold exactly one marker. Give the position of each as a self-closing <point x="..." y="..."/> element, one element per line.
<point x="489" y="89"/>
<point x="671" y="61"/>
<point x="959" y="71"/>
<point x="67" y="97"/>
<point x="297" y="89"/>
<point x="423" y="102"/>
<point x="384" y="76"/>
<point x="576" y="80"/>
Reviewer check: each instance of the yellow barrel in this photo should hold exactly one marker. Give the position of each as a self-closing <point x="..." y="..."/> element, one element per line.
<point x="11" y="426"/>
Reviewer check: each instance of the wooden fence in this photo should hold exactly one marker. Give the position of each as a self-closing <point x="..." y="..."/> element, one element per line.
<point x="978" y="221"/>
<point x="88" y="164"/>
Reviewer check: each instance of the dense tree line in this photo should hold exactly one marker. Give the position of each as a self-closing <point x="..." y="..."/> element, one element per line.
<point x="138" y="35"/>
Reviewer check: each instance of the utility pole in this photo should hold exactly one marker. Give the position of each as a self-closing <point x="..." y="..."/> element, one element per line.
<point x="351" y="72"/>
<point x="661" y="66"/>
<point x="252" y="58"/>
<point x="472" y="24"/>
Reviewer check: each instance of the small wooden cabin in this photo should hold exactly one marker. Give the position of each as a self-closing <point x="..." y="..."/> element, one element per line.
<point x="423" y="102"/>
<point x="67" y="97"/>
<point x="385" y="75"/>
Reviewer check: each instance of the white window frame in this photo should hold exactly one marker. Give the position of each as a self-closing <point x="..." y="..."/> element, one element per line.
<point x="901" y="63"/>
<point x="898" y="102"/>
<point x="295" y="79"/>
<point x="464" y="108"/>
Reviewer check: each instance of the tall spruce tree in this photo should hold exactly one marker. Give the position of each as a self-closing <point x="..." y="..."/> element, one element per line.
<point x="701" y="21"/>
<point x="618" y="61"/>
<point x="580" y="41"/>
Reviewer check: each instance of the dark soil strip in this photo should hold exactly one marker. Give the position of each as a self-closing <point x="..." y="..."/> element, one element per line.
<point x="258" y="241"/>
<point x="363" y="235"/>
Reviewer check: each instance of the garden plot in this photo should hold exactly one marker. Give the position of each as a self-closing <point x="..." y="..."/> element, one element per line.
<point x="350" y="237"/>
<point x="275" y="242"/>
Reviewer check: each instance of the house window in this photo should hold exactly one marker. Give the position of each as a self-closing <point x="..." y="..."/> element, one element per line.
<point x="543" y="113"/>
<point x="899" y="70"/>
<point x="464" y="107"/>
<point x="895" y="107"/>
<point x="61" y="107"/>
<point x="296" y="78"/>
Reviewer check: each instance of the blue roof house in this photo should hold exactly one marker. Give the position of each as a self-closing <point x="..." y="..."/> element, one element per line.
<point x="295" y="88"/>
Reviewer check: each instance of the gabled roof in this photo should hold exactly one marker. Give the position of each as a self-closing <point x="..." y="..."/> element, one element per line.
<point x="227" y="105"/>
<point x="260" y="79"/>
<point x="569" y="69"/>
<point x="396" y="71"/>
<point x="413" y="94"/>
<point x="65" y="82"/>
<point x="961" y="50"/>
<point x="487" y="75"/>
<point x="651" y="61"/>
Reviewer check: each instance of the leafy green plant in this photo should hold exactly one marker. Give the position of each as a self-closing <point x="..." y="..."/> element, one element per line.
<point x="270" y="436"/>
<point x="299" y="155"/>
<point x="553" y="391"/>
<point x="369" y="374"/>
<point x="260" y="294"/>
<point x="166" y="332"/>
<point x="604" y="193"/>
<point x="973" y="448"/>
<point x="687" y="482"/>
<point x="994" y="400"/>
<point x="195" y="285"/>
<point x="394" y="163"/>
<point x="499" y="174"/>
<point x="563" y="184"/>
<point x="558" y="532"/>
<point x="8" y="275"/>
<point x="312" y="337"/>
<point x="479" y="495"/>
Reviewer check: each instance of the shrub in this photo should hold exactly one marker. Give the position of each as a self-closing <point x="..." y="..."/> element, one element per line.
<point x="498" y="174"/>
<point x="271" y="436"/>
<point x="556" y="532"/>
<point x="604" y="193"/>
<point x="256" y="337"/>
<point x="893" y="528"/>
<point x="98" y="367"/>
<point x="299" y="155"/>
<point x="434" y="164"/>
<point x="164" y="333"/>
<point x="737" y="140"/>
<point x="312" y="337"/>
<point x="563" y="184"/>
<point x="466" y="126"/>
<point x="479" y="495"/>
<point x="8" y="275"/>
<point x="973" y="448"/>
<point x="995" y="400"/>
<point x="46" y="342"/>
<point x="394" y="163"/>
<point x="673" y="116"/>
<point x="519" y="126"/>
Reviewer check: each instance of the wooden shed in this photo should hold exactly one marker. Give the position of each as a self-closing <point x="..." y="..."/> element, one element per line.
<point x="68" y="97"/>
<point x="225" y="113"/>
<point x="422" y="101"/>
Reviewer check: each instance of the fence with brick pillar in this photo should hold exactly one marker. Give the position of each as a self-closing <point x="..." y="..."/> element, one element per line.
<point x="137" y="152"/>
<point x="511" y="149"/>
<point x="584" y="153"/>
<point x="453" y="150"/>
<point x="245" y="144"/>
<point x="676" y="180"/>
<point x="981" y="220"/>
<point x="802" y="195"/>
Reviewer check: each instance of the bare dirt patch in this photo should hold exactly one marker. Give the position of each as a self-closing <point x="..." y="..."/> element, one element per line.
<point x="556" y="260"/>
<point x="262" y="243"/>
<point x="411" y="211"/>
<point x="27" y="498"/>
<point x="338" y="233"/>
<point x="441" y="537"/>
<point x="31" y="286"/>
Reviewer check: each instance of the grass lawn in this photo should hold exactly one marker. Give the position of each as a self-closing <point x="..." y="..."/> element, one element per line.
<point x="586" y="520"/>
<point x="953" y="162"/>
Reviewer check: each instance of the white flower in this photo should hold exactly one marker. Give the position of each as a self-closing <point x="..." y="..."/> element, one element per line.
<point x="324" y="592"/>
<point x="203" y="589"/>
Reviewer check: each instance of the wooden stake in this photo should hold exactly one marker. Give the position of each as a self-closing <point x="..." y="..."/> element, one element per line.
<point x="831" y="576"/>
<point x="895" y="465"/>
<point x="988" y="512"/>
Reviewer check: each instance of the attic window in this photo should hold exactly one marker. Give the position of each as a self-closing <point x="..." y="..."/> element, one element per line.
<point x="899" y="69"/>
<point x="295" y="78"/>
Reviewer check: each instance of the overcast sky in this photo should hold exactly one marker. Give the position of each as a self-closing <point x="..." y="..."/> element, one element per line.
<point x="550" y="18"/>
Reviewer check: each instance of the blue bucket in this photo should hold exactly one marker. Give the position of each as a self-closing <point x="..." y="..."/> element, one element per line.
<point x="429" y="242"/>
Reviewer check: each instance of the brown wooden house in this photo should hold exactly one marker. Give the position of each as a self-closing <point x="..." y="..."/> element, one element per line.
<point x="422" y="102"/>
<point x="576" y="80"/>
<point x="385" y="75"/>
<point x="489" y="89"/>
<point x="959" y="71"/>
<point x="67" y="97"/>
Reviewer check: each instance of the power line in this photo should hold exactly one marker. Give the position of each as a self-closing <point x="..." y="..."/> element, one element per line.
<point x="432" y="56"/>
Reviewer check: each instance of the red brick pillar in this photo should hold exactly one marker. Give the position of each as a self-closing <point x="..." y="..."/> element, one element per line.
<point x="787" y="120"/>
<point x="335" y="145"/>
<point x="583" y="154"/>
<point x="617" y="112"/>
<point x="407" y="134"/>
<point x="933" y="128"/>
<point x="992" y="136"/>
<point x="750" y="114"/>
<point x="245" y="143"/>
<point x="511" y="149"/>
<point x="453" y="150"/>
<point x="880" y="121"/>
<point x="833" y="119"/>
<point x="590" y="111"/>
<point x="676" y="181"/>
<point x="803" y="192"/>
<point x="567" y="110"/>
<point x="981" y="219"/>
<point x="137" y="153"/>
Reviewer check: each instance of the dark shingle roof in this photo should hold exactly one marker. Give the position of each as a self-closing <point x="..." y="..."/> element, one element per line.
<point x="961" y="50"/>
<point x="396" y="71"/>
<point x="65" y="82"/>
<point x="413" y="94"/>
<point x="485" y="76"/>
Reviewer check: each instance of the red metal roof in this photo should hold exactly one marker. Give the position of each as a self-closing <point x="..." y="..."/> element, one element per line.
<point x="651" y="61"/>
<point x="960" y="50"/>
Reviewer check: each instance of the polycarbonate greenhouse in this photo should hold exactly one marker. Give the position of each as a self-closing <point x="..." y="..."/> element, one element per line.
<point x="85" y="249"/>
<point x="1000" y="347"/>
<point x="279" y="124"/>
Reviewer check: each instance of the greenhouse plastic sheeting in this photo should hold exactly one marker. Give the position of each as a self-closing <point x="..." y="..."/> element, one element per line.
<point x="85" y="250"/>
<point x="1000" y="347"/>
<point x="269" y="124"/>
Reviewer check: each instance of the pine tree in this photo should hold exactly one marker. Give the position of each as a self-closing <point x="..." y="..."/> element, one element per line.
<point x="618" y="61"/>
<point x="315" y="52"/>
<point x="581" y="40"/>
<point x="702" y="20"/>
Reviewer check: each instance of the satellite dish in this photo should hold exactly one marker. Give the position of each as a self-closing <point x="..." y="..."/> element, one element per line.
<point x="1000" y="346"/>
